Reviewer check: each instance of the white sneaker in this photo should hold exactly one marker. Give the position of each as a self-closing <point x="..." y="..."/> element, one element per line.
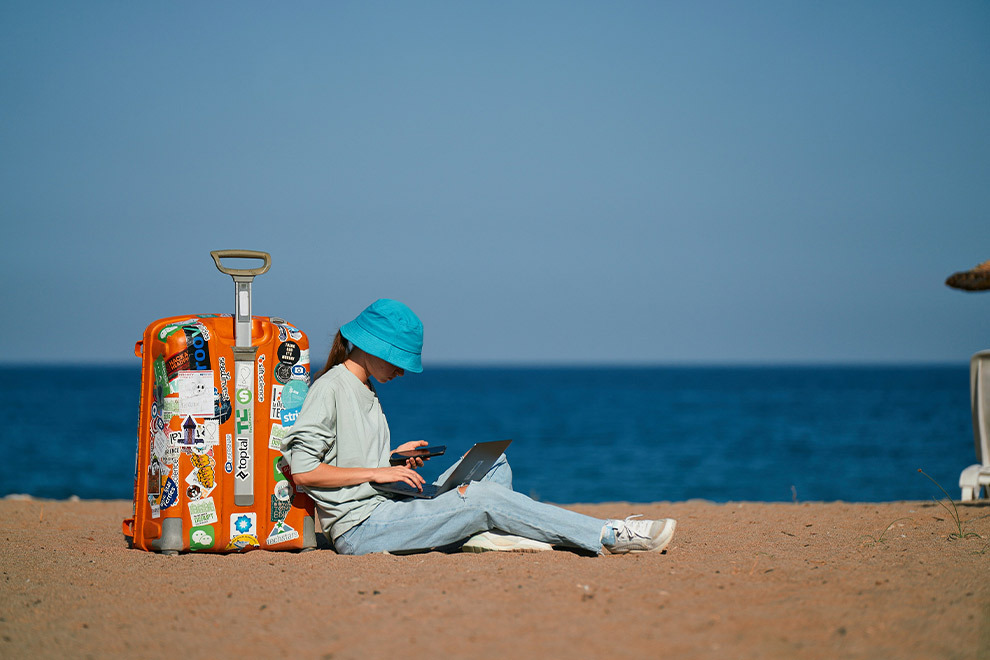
<point x="502" y="542"/>
<point x="640" y="535"/>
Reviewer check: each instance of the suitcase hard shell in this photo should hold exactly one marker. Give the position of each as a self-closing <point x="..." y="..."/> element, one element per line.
<point x="218" y="394"/>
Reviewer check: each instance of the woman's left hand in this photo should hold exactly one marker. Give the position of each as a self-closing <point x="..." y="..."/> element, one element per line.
<point x="409" y="446"/>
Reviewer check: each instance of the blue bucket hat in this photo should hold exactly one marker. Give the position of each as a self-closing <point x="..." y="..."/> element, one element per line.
<point x="388" y="330"/>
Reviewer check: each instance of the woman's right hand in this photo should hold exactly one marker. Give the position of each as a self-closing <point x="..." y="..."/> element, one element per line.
<point x="384" y="475"/>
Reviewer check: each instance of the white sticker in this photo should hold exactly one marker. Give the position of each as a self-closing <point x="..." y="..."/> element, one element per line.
<point x="202" y="478"/>
<point x="244" y="460"/>
<point x="282" y="491"/>
<point x="161" y="443"/>
<point x="243" y="523"/>
<point x="202" y="512"/>
<point x="156" y="511"/>
<point x="198" y="436"/>
<point x="281" y="533"/>
<point x="211" y="431"/>
<point x="261" y="378"/>
<point x="276" y="437"/>
<point x="276" y="411"/>
<point x="195" y="393"/>
<point x="243" y="375"/>
<point x="170" y="408"/>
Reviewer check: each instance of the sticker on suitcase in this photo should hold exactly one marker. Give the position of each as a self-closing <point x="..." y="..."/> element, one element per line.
<point x="287" y="331"/>
<point x="276" y="436"/>
<point x="203" y="512"/>
<point x="196" y="354"/>
<point x="196" y="392"/>
<point x="196" y="434"/>
<point x="261" y="378"/>
<point x="202" y="478"/>
<point x="170" y="494"/>
<point x="276" y="407"/>
<point x="202" y="537"/>
<point x="243" y="531"/>
<point x="281" y="533"/>
<point x="243" y="458"/>
<point x="281" y="500"/>
<point x="223" y="408"/>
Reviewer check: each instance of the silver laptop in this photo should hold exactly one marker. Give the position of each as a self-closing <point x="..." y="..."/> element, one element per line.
<point x="475" y="464"/>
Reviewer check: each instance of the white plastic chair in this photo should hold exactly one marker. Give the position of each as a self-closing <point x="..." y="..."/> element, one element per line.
<point x="975" y="480"/>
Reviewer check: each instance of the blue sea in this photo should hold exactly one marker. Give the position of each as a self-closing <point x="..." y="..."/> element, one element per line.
<point x="580" y="434"/>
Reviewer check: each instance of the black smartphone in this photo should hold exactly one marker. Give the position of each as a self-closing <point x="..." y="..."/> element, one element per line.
<point x="400" y="457"/>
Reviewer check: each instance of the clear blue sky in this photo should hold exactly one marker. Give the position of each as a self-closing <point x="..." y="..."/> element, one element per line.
<point x="543" y="182"/>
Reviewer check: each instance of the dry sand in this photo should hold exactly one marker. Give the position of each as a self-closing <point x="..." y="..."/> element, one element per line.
<point x="740" y="580"/>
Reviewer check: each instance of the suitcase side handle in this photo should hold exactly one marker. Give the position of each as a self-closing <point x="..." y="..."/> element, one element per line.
<point x="242" y="254"/>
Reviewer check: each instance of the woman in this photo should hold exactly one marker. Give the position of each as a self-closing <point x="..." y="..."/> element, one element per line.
<point x="339" y="446"/>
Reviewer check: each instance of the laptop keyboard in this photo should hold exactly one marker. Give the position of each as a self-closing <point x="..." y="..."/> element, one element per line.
<point x="428" y="489"/>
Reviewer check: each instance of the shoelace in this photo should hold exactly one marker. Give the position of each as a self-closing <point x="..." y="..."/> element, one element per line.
<point x="629" y="528"/>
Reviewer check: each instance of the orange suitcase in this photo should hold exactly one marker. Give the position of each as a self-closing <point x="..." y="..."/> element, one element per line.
<point x="218" y="393"/>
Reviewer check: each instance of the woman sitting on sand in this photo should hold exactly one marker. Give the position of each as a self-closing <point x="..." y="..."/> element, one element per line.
<point x="339" y="446"/>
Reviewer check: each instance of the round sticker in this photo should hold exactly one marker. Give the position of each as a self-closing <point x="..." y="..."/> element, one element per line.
<point x="288" y="352"/>
<point x="294" y="393"/>
<point x="283" y="372"/>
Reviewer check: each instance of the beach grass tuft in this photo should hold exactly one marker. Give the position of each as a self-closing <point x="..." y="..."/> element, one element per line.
<point x="954" y="512"/>
<point x="871" y="540"/>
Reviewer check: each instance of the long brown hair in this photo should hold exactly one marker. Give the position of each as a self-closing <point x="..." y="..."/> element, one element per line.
<point x="338" y="352"/>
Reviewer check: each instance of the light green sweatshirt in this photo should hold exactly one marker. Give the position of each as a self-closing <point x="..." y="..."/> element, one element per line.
<point x="341" y="423"/>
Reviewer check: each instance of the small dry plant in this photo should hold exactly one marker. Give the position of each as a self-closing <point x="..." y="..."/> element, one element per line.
<point x="954" y="512"/>
<point x="871" y="541"/>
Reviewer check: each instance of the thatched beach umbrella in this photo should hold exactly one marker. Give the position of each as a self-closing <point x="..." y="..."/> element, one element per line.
<point x="975" y="279"/>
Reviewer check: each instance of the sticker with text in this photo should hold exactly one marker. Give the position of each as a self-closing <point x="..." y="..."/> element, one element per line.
<point x="195" y="393"/>
<point x="277" y="407"/>
<point x="243" y="531"/>
<point x="276" y="437"/>
<point x="203" y="512"/>
<point x="281" y="533"/>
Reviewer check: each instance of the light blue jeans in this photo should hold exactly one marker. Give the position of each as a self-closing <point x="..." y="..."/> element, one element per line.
<point x="409" y="524"/>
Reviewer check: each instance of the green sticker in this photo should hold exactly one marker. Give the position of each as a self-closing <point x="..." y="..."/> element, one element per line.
<point x="201" y="538"/>
<point x="276" y="464"/>
<point x="161" y="376"/>
<point x="168" y="331"/>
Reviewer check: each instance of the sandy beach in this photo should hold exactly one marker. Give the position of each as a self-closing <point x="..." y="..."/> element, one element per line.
<point x="740" y="580"/>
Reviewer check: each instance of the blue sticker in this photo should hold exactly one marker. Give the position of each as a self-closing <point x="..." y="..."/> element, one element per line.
<point x="242" y="524"/>
<point x="294" y="393"/>
<point x="289" y="416"/>
<point x="170" y="493"/>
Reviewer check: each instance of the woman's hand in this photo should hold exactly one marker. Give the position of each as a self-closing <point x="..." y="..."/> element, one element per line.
<point x="397" y="473"/>
<point x="409" y="446"/>
<point x="331" y="476"/>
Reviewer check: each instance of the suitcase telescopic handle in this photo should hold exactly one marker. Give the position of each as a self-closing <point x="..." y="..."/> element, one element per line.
<point x="242" y="254"/>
